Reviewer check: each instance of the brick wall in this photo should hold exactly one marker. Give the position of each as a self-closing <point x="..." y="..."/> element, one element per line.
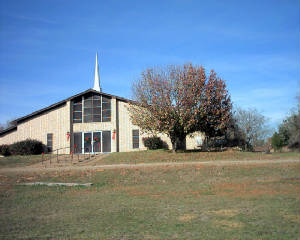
<point x="55" y="121"/>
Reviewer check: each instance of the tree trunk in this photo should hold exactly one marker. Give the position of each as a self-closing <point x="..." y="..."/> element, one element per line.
<point x="205" y="144"/>
<point x="178" y="142"/>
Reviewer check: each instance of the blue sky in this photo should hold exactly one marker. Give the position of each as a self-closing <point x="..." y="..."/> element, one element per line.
<point x="47" y="48"/>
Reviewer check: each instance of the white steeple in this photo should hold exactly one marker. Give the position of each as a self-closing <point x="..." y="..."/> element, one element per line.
<point x="97" y="78"/>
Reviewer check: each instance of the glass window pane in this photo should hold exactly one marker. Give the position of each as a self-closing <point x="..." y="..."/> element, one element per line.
<point x="106" y="135"/>
<point x="106" y="119"/>
<point x="97" y="142"/>
<point x="96" y="118"/>
<point x="106" y="115"/>
<point x="77" y="115"/>
<point x="50" y="142"/>
<point x="106" y="105"/>
<point x="77" y="120"/>
<point x="87" y="142"/>
<point x="87" y="118"/>
<point x="88" y="104"/>
<point x="135" y="132"/>
<point x="77" y="107"/>
<point x="105" y="99"/>
<point x="97" y="110"/>
<point x="135" y="145"/>
<point x="78" y="142"/>
<point x="135" y="138"/>
<point x="97" y="103"/>
<point x="88" y="111"/>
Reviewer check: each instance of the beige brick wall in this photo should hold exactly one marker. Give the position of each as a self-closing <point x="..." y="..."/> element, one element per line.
<point x="56" y="121"/>
<point x="9" y="138"/>
<point x="125" y="129"/>
<point x="193" y="140"/>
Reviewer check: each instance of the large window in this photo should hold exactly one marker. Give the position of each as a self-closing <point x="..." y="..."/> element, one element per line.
<point x="50" y="142"/>
<point x="106" y="109"/>
<point x="92" y="108"/>
<point x="77" y="110"/>
<point x="135" y="139"/>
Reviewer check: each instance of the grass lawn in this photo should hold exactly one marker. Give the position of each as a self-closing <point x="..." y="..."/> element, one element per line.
<point x="169" y="156"/>
<point x="150" y="156"/>
<point x="19" y="161"/>
<point x="201" y="202"/>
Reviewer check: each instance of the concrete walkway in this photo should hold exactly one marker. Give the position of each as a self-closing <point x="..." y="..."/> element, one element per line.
<point x="149" y="165"/>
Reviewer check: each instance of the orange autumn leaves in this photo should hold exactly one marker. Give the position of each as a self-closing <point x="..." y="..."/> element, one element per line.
<point x="179" y="100"/>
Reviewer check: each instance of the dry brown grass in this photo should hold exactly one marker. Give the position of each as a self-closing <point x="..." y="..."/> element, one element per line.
<point x="228" y="225"/>
<point x="225" y="212"/>
<point x="186" y="217"/>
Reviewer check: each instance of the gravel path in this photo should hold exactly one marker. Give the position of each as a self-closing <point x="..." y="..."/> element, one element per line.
<point x="146" y="165"/>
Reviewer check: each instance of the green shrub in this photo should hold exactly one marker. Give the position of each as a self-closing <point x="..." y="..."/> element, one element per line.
<point x="277" y="141"/>
<point x="27" y="147"/>
<point x="154" y="143"/>
<point x="4" y="150"/>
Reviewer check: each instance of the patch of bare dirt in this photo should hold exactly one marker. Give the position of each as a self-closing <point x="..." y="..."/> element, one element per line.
<point x="228" y="225"/>
<point x="225" y="212"/>
<point x="292" y="217"/>
<point x="251" y="189"/>
<point x="186" y="217"/>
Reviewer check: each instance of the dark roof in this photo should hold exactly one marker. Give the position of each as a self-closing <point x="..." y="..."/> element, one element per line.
<point x="8" y="130"/>
<point x="55" y="105"/>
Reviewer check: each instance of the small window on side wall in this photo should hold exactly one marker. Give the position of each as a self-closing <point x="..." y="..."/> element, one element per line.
<point x="50" y="142"/>
<point x="135" y="139"/>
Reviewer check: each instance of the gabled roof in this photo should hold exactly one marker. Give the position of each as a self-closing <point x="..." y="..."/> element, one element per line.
<point x="58" y="104"/>
<point x="8" y="130"/>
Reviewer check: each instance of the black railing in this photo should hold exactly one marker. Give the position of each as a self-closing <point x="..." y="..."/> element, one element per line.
<point x="55" y="155"/>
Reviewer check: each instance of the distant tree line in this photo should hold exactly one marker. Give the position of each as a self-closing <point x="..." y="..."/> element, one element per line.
<point x="288" y="132"/>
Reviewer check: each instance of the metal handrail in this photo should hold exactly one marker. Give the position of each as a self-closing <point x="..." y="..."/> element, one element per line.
<point x="72" y="153"/>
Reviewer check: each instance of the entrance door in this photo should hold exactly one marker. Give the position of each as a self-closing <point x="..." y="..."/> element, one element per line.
<point x="78" y="142"/>
<point x="106" y="141"/>
<point x="87" y="137"/>
<point x="97" y="141"/>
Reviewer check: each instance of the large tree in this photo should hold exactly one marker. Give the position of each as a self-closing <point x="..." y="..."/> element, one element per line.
<point x="179" y="100"/>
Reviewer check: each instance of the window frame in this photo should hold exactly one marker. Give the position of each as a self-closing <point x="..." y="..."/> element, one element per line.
<point x="135" y="139"/>
<point x="77" y="120"/>
<point x="49" y="142"/>
<point x="101" y="114"/>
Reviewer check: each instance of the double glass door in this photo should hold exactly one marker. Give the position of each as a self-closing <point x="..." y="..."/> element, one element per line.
<point x="92" y="142"/>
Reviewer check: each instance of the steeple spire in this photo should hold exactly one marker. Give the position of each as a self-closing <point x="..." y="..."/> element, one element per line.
<point x="97" y="78"/>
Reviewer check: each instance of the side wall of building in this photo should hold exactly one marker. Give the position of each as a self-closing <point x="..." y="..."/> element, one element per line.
<point x="193" y="141"/>
<point x="125" y="130"/>
<point x="55" y="121"/>
<point x="9" y="138"/>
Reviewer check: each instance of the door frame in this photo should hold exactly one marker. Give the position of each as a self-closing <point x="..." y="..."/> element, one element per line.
<point x="98" y="131"/>
<point x="92" y="141"/>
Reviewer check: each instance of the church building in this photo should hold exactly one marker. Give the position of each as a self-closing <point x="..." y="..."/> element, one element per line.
<point x="90" y="121"/>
